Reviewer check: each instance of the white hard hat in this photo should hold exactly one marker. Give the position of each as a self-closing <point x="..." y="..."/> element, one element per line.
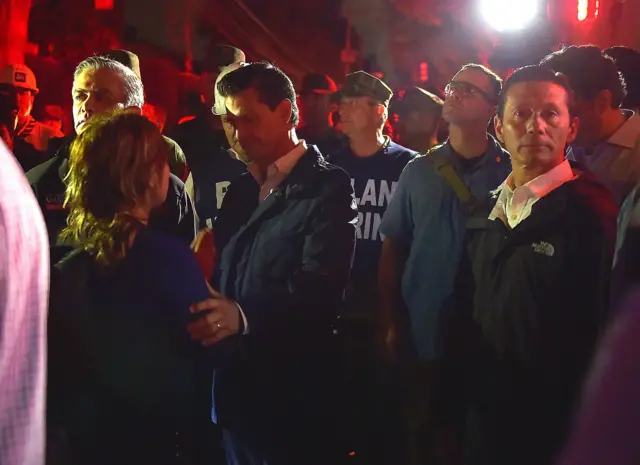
<point x="219" y="108"/>
<point x="19" y="76"/>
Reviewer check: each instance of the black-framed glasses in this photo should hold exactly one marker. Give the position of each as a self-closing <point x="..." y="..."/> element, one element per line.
<point x="467" y="90"/>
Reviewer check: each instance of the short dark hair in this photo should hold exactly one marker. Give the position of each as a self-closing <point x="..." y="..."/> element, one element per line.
<point x="628" y="64"/>
<point x="589" y="70"/>
<point x="535" y="73"/>
<point x="495" y="81"/>
<point x="272" y="85"/>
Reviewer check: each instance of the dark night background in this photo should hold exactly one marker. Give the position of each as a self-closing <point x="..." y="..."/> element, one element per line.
<point x="392" y="37"/>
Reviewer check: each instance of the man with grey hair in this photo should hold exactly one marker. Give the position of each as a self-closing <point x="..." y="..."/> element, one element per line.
<point x="100" y="86"/>
<point x="96" y="92"/>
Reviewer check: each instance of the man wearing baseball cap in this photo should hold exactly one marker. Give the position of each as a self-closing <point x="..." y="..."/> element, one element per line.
<point x="315" y="107"/>
<point x="218" y="58"/>
<point x="22" y="81"/>
<point x="374" y="163"/>
<point x="420" y="114"/>
<point x="220" y="109"/>
<point x="205" y="145"/>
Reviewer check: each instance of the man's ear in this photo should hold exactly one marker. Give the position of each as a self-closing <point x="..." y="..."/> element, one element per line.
<point x="134" y="110"/>
<point x="603" y="101"/>
<point x="284" y="110"/>
<point x="497" y="124"/>
<point x="574" y="126"/>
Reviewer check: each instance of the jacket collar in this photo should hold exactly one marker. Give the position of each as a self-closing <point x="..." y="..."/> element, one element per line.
<point x="554" y="206"/>
<point x="299" y="181"/>
<point x="303" y="172"/>
<point x="627" y="135"/>
<point x="282" y="166"/>
<point x="63" y="154"/>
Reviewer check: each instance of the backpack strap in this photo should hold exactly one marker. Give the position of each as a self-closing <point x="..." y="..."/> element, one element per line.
<point x="445" y="169"/>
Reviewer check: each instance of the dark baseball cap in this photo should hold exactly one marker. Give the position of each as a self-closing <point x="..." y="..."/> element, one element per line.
<point x="125" y="57"/>
<point x="418" y="99"/>
<point x="360" y="84"/>
<point x="317" y="83"/>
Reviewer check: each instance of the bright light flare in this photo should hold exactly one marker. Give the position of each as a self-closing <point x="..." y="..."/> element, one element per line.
<point x="583" y="9"/>
<point x="509" y="15"/>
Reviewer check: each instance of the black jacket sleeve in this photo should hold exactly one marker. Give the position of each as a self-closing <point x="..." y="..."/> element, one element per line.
<point x="176" y="216"/>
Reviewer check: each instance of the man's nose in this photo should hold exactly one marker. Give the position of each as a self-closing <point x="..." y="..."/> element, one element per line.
<point x="536" y="124"/>
<point x="88" y="106"/>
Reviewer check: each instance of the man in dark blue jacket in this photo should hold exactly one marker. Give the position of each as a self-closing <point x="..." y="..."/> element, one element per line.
<point x="285" y="238"/>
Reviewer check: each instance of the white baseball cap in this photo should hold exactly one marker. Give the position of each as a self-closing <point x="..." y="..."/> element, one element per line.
<point x="219" y="107"/>
<point x="19" y="75"/>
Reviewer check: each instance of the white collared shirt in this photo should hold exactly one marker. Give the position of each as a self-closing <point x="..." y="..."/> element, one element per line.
<point x="514" y="205"/>
<point x="278" y="170"/>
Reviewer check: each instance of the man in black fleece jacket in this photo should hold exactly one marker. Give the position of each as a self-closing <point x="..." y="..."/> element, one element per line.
<point x="533" y="292"/>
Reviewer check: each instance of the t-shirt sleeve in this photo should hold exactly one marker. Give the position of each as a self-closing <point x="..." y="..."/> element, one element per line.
<point x="397" y="223"/>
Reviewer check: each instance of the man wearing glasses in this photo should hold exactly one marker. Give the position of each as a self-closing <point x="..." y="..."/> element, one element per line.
<point x="424" y="229"/>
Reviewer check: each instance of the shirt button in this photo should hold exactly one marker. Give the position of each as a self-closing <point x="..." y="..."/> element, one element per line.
<point x="514" y="217"/>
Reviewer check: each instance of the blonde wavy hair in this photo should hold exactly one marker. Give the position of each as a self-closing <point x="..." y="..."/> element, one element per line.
<point x="111" y="167"/>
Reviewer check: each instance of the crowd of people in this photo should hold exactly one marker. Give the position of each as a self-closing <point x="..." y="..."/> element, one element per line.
<point x="323" y="275"/>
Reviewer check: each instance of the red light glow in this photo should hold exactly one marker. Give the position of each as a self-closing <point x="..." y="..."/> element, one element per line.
<point x="103" y="4"/>
<point x="424" y="72"/>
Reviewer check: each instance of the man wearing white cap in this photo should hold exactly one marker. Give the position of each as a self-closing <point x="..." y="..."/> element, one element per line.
<point x="22" y="79"/>
<point x="219" y="109"/>
<point x="213" y="169"/>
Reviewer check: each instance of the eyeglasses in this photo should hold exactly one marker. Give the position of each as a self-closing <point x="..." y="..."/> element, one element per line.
<point x="467" y="90"/>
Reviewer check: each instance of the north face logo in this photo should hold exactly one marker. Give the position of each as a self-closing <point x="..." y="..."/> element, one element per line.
<point x="20" y="77"/>
<point x="543" y="248"/>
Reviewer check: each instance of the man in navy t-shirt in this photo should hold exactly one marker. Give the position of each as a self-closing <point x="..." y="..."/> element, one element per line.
<point x="374" y="163"/>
